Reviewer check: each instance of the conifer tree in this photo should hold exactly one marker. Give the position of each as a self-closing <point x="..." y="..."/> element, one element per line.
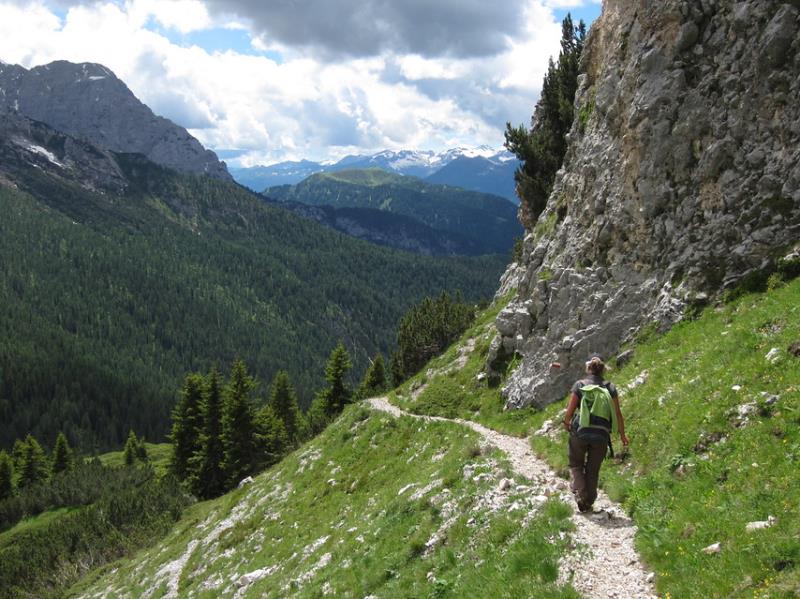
<point x="283" y="400"/>
<point x="187" y="423"/>
<point x="33" y="467"/>
<point x="131" y="449"/>
<point x="238" y="427"/>
<point x="374" y="382"/>
<point x="17" y="454"/>
<point x="6" y="476"/>
<point x="271" y="436"/>
<point x="62" y="455"/>
<point x="542" y="147"/>
<point x="141" y="450"/>
<point x="337" y="393"/>
<point x="207" y="478"/>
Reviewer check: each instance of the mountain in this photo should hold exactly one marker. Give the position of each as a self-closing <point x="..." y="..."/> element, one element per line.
<point x="259" y="178"/>
<point x="494" y="175"/>
<point x="680" y="184"/>
<point x="480" y="169"/>
<point x="488" y="220"/>
<point x="387" y="228"/>
<point x="87" y="101"/>
<point x="119" y="276"/>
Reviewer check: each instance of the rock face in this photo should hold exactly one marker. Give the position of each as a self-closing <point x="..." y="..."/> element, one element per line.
<point x="25" y="143"/>
<point x="88" y="101"/>
<point x="681" y="180"/>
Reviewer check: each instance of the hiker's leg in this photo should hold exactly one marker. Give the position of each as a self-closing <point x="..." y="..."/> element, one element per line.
<point x="597" y="452"/>
<point x="577" y="466"/>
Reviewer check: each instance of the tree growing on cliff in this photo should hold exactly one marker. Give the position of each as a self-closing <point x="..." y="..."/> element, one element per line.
<point x="542" y="147"/>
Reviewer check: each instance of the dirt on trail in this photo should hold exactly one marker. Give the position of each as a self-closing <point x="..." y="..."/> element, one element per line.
<point x="604" y="563"/>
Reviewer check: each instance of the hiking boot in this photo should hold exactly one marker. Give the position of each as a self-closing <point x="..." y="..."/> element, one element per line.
<point x="584" y="507"/>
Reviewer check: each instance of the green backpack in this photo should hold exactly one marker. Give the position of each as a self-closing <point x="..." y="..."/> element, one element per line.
<point x="596" y="411"/>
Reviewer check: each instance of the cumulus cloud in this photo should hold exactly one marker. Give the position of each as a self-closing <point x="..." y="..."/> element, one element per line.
<point x="419" y="75"/>
<point x="370" y="27"/>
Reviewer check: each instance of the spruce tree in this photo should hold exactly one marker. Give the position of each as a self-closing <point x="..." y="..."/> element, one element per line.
<point x="33" y="467"/>
<point x="141" y="450"/>
<point x="374" y="382"/>
<point x="6" y="476"/>
<point x="271" y="436"/>
<point x="283" y="400"/>
<point x="337" y="393"/>
<point x="131" y="449"/>
<point x="238" y="428"/>
<point x="187" y="423"/>
<point x="542" y="147"/>
<point x="62" y="455"/>
<point x="207" y="478"/>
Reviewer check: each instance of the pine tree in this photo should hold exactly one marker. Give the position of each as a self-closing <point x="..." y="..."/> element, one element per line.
<point x="131" y="449"/>
<point x="187" y="423"/>
<point x="33" y="467"/>
<point x="542" y="148"/>
<point x="238" y="429"/>
<point x="283" y="400"/>
<point x="62" y="455"/>
<point x="271" y="436"/>
<point x="337" y="393"/>
<point x="141" y="450"/>
<point x="6" y="476"/>
<point x="374" y="382"/>
<point x="207" y="478"/>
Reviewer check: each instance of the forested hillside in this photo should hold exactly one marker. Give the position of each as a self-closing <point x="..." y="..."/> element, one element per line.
<point x="489" y="220"/>
<point x="108" y="300"/>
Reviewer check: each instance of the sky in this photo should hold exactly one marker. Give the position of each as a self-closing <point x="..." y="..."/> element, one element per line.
<point x="262" y="81"/>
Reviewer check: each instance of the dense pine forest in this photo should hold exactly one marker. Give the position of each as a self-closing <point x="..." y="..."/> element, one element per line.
<point x="109" y="300"/>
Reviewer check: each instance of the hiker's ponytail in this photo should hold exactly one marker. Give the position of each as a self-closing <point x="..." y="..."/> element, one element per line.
<point x="595" y="366"/>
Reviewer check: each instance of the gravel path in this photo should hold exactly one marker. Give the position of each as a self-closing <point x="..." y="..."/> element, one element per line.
<point x="613" y="568"/>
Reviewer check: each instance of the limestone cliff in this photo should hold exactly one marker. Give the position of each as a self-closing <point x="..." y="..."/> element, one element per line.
<point x="681" y="180"/>
<point x="87" y="101"/>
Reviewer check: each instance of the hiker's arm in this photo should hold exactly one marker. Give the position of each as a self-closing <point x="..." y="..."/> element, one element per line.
<point x="571" y="407"/>
<point x="620" y="421"/>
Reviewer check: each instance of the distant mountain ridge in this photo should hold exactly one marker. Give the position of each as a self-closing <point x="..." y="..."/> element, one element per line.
<point x="488" y="220"/>
<point x="480" y="169"/>
<point x="87" y="101"/>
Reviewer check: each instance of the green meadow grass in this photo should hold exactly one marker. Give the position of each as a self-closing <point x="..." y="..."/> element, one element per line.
<point x="159" y="455"/>
<point x="338" y="516"/>
<point x="696" y="473"/>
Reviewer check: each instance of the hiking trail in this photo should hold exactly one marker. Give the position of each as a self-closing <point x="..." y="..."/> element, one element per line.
<point x="612" y="567"/>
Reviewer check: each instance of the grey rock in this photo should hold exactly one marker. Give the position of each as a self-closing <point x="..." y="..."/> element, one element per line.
<point x="778" y="36"/>
<point x="687" y="36"/>
<point x="87" y="101"/>
<point x="693" y="190"/>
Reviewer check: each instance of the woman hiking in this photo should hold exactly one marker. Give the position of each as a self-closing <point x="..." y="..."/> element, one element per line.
<point x="597" y="403"/>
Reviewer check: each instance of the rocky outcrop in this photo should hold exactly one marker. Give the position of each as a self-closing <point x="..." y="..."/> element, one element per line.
<point x="25" y="143"/>
<point x="88" y="101"/>
<point x="682" y="179"/>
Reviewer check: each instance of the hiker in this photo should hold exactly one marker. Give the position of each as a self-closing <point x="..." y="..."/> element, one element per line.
<point x="598" y="417"/>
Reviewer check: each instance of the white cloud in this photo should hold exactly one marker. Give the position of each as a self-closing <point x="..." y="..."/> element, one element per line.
<point x="297" y="106"/>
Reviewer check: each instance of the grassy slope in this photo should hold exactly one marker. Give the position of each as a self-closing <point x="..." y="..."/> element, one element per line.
<point x="338" y="516"/>
<point x="159" y="455"/>
<point x="682" y="496"/>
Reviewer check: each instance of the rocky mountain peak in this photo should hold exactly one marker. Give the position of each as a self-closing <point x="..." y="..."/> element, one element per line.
<point x="88" y="101"/>
<point x="682" y="180"/>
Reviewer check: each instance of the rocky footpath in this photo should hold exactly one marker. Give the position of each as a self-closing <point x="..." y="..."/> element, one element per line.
<point x="89" y="102"/>
<point x="604" y="562"/>
<point x="682" y="180"/>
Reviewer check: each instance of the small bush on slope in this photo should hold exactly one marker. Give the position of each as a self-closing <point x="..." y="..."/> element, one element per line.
<point x="697" y="472"/>
<point x="352" y="513"/>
